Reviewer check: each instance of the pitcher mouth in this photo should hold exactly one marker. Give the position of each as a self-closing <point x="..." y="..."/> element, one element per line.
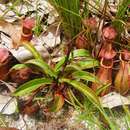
<point x="26" y="37"/>
<point x="26" y="30"/>
<point x="106" y="63"/>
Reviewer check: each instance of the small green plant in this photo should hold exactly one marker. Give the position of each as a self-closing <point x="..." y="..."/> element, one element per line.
<point x="52" y="77"/>
<point x="63" y="85"/>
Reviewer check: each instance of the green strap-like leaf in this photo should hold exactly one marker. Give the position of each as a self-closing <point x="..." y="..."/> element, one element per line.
<point x="74" y="54"/>
<point x="18" y="66"/>
<point x="33" y="50"/>
<point x="38" y="61"/>
<point x="71" y="67"/>
<point x="30" y="86"/>
<point x="60" y="64"/>
<point x="80" y="53"/>
<point x="88" y="63"/>
<point x="85" y="76"/>
<point x="81" y="65"/>
<point x="102" y="88"/>
<point x="74" y="99"/>
<point x="83" y="89"/>
<point x="43" y="65"/>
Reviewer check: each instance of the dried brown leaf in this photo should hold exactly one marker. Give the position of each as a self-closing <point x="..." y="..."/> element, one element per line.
<point x="13" y="30"/>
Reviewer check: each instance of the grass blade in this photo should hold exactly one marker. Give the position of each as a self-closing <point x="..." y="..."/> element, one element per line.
<point x="43" y="65"/>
